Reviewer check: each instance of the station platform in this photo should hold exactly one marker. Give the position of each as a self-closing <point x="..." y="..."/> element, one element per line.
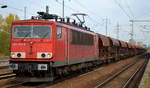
<point x="145" y="82"/>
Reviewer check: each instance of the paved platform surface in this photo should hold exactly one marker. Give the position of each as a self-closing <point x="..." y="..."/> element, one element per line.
<point x="145" y="82"/>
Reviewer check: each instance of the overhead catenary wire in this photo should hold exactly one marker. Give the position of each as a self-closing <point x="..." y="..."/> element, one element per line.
<point x="84" y="7"/>
<point x="66" y="6"/>
<point x="70" y="7"/>
<point x="125" y="12"/>
<point x="92" y="13"/>
<point x="120" y="6"/>
<point x="129" y="8"/>
<point x="89" y="11"/>
<point x="77" y="11"/>
<point x="97" y="23"/>
<point x="147" y="13"/>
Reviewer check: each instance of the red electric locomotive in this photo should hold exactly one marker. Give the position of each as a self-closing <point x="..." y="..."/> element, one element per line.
<point x="42" y="50"/>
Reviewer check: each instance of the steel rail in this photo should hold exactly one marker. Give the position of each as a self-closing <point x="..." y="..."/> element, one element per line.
<point x="115" y="75"/>
<point x="141" y="67"/>
<point x="7" y="75"/>
<point x="13" y="85"/>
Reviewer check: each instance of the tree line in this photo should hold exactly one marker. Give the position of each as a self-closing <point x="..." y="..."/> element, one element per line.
<point x="5" y="28"/>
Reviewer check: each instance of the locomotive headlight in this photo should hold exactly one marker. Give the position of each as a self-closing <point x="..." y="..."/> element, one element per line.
<point x="12" y="55"/>
<point x="49" y="55"/>
<point x="44" y="55"/>
<point x="17" y="54"/>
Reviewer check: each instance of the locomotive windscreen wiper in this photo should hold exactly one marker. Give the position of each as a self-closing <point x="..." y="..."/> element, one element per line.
<point x="45" y="35"/>
<point x="26" y="35"/>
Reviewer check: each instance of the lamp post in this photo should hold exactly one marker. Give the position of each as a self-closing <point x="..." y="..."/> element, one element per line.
<point x="4" y="6"/>
<point x="25" y="10"/>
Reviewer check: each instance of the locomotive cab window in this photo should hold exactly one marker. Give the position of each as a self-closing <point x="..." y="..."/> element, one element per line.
<point x="32" y="32"/>
<point x="22" y="32"/>
<point x="59" y="32"/>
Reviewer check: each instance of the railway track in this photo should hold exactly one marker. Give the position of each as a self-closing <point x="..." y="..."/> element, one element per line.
<point x="129" y="83"/>
<point x="61" y="80"/>
<point x="135" y="78"/>
<point x="16" y="85"/>
<point x="7" y="75"/>
<point x="42" y="85"/>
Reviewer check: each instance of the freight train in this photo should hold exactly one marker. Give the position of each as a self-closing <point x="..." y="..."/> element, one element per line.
<point x="46" y="47"/>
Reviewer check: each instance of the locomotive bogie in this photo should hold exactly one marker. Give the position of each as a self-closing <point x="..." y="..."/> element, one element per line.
<point x="30" y="71"/>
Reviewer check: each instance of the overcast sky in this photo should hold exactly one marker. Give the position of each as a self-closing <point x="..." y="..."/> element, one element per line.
<point x="116" y="11"/>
